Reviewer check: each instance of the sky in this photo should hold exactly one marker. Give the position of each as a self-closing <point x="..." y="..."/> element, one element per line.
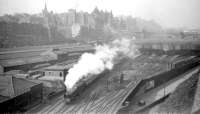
<point x="168" y="13"/>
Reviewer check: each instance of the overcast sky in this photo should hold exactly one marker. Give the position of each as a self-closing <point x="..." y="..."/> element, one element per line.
<point x="169" y="13"/>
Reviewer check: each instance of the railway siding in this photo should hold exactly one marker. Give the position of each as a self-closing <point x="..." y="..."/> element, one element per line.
<point x="111" y="100"/>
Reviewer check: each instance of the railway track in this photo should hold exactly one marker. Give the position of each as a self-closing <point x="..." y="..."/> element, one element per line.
<point x="51" y="106"/>
<point x="90" y="105"/>
<point x="111" y="102"/>
<point x="91" y="102"/>
<point x="105" y="104"/>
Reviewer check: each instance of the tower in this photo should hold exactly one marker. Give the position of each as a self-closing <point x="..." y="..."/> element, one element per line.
<point x="46" y="16"/>
<point x="45" y="11"/>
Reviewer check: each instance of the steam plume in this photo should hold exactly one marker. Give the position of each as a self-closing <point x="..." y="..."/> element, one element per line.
<point x="103" y="58"/>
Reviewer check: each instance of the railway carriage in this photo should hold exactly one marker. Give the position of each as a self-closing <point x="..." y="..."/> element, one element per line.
<point x="186" y="61"/>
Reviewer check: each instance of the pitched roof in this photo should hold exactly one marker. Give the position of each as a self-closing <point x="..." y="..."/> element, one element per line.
<point x="6" y="86"/>
<point x="11" y="86"/>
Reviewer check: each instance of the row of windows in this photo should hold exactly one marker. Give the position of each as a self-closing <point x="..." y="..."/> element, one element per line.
<point x="50" y="73"/>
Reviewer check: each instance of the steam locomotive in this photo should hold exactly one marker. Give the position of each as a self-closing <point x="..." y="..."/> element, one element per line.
<point x="78" y="89"/>
<point x="72" y="93"/>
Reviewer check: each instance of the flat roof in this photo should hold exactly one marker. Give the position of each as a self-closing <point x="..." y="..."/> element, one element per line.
<point x="23" y="61"/>
<point x="59" y="67"/>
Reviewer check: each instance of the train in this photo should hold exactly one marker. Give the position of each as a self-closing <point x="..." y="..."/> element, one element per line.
<point x="80" y="86"/>
<point x="87" y="81"/>
<point x="186" y="61"/>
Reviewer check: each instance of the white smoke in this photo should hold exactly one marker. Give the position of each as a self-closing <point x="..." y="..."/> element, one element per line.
<point x="102" y="59"/>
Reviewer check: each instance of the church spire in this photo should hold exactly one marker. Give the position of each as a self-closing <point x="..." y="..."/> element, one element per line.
<point x="45" y="11"/>
<point x="45" y="7"/>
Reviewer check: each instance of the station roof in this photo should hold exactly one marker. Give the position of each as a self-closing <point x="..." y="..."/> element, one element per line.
<point x="59" y="67"/>
<point x="28" y="58"/>
<point x="22" y="61"/>
<point x="11" y="86"/>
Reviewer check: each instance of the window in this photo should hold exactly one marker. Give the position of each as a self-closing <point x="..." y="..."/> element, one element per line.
<point x="150" y="85"/>
<point x="60" y="74"/>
